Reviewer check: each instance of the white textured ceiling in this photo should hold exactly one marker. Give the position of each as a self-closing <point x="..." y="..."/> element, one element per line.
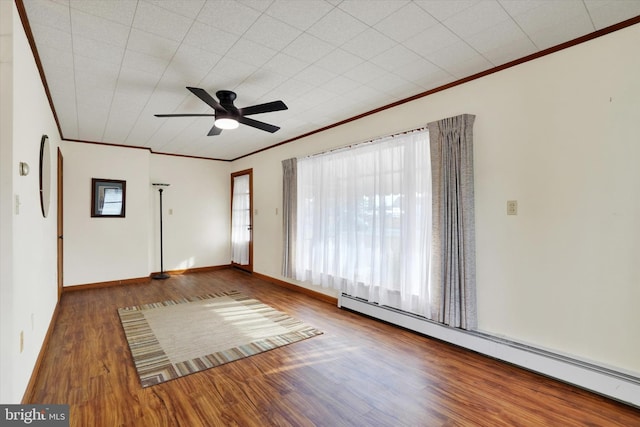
<point x="110" y="65"/>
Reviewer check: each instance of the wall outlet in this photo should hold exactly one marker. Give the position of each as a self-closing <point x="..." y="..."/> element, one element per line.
<point x="512" y="207"/>
<point x="21" y="341"/>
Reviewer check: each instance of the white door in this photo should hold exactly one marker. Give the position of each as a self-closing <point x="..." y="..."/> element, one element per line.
<point x="241" y="220"/>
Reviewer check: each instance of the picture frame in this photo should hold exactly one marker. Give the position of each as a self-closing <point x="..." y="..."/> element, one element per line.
<point x="108" y="198"/>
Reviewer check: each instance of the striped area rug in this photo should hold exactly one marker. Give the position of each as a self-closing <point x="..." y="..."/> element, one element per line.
<point x="171" y="339"/>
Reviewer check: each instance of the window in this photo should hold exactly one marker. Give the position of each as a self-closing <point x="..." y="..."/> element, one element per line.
<point x="364" y="220"/>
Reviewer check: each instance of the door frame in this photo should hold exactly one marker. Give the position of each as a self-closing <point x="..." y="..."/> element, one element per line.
<point x="60" y="229"/>
<point x="249" y="266"/>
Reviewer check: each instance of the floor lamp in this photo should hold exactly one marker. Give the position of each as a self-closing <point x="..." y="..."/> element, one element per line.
<point x="162" y="275"/>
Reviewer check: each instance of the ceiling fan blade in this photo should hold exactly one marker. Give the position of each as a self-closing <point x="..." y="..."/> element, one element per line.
<point x="214" y="131"/>
<point x="259" y="125"/>
<point x="184" y="115"/>
<point x="204" y="96"/>
<point x="263" y="108"/>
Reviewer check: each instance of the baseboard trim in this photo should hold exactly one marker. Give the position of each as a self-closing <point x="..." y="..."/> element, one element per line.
<point x="140" y="280"/>
<point x="611" y="383"/>
<point x="195" y="270"/>
<point x="317" y="295"/>
<point x="99" y="285"/>
<point x="27" y="397"/>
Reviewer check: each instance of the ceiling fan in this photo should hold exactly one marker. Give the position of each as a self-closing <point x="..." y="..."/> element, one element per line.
<point x="227" y="116"/>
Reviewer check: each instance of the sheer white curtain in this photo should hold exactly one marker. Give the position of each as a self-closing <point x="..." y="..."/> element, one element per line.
<point x="364" y="221"/>
<point x="240" y="221"/>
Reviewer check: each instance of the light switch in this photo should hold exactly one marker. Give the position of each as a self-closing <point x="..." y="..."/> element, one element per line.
<point x="512" y="207"/>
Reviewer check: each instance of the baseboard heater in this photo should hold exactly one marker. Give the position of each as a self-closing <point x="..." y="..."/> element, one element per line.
<point x="605" y="381"/>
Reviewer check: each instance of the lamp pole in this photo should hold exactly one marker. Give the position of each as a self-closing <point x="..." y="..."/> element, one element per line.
<point x="162" y="275"/>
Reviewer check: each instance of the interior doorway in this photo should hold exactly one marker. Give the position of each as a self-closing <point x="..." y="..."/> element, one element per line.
<point x="242" y="219"/>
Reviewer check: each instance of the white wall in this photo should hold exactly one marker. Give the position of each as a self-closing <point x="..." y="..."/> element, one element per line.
<point x="104" y="249"/>
<point x="196" y="213"/>
<point x="560" y="135"/>
<point x="195" y="217"/>
<point x="29" y="271"/>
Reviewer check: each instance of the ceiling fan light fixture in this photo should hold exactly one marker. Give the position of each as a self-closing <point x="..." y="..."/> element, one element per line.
<point x="226" y="123"/>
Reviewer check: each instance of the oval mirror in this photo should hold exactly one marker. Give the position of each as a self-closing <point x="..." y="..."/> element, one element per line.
<point x="45" y="175"/>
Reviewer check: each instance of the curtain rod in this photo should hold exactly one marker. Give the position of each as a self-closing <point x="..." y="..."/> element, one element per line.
<point x="356" y="144"/>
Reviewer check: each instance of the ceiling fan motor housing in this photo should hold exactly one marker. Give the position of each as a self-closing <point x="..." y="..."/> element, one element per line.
<point x="226" y="98"/>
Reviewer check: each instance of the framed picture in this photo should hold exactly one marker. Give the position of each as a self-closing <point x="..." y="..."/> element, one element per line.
<point x="108" y="198"/>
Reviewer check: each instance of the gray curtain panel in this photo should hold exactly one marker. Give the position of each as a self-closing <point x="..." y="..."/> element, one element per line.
<point x="454" y="267"/>
<point x="289" y="215"/>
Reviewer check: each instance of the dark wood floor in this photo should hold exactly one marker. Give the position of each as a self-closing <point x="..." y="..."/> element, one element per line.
<point x="360" y="372"/>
